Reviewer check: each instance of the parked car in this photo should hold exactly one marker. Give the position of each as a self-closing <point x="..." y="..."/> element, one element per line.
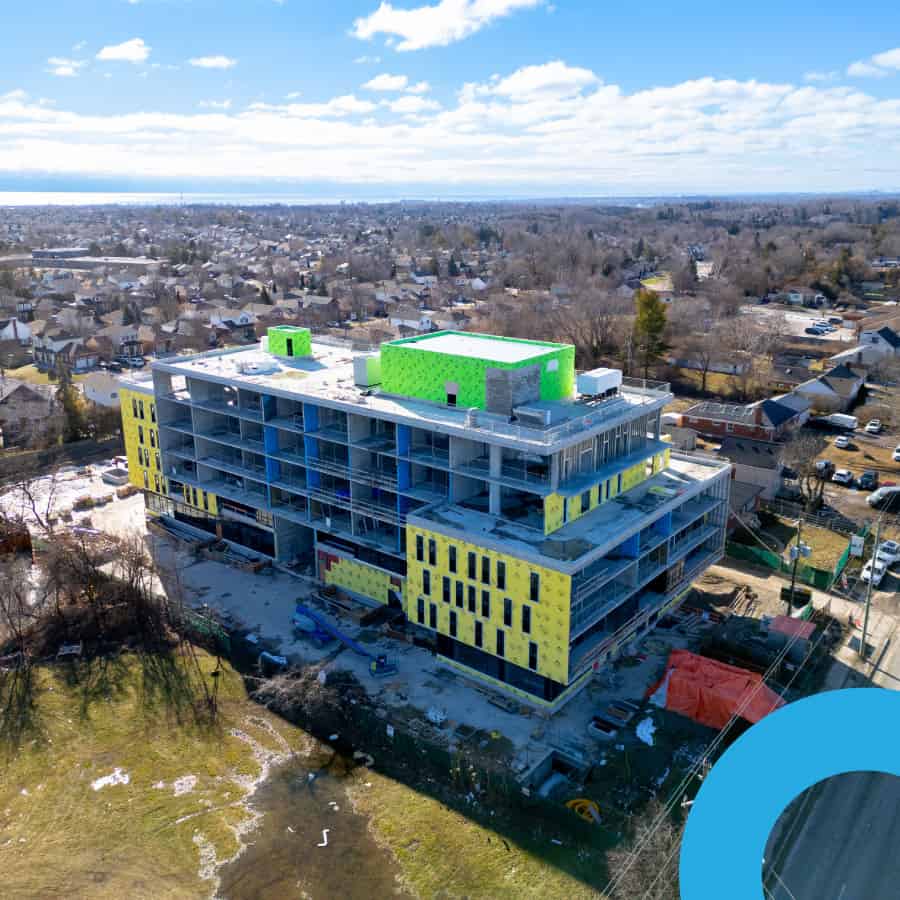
<point x="888" y="552"/>
<point x="895" y="456"/>
<point x="815" y="330"/>
<point x="842" y="442"/>
<point x="886" y="498"/>
<point x="835" y="320"/>
<point x="874" y="426"/>
<point x="873" y="571"/>
<point x="868" y="481"/>
<point x="842" y="476"/>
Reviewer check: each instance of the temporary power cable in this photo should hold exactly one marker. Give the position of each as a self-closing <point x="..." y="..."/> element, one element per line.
<point x="710" y="749"/>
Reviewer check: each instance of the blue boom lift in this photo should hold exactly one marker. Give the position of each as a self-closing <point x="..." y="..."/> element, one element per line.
<point x="310" y="623"/>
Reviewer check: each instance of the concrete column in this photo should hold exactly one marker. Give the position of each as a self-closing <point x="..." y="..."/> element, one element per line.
<point x="496" y="467"/>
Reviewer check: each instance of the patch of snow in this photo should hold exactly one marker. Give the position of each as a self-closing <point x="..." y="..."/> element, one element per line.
<point x="645" y="731"/>
<point x="184" y="785"/>
<point x="117" y="777"/>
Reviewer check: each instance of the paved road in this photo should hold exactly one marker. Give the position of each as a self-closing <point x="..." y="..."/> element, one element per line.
<point x="846" y="843"/>
<point x="841" y="840"/>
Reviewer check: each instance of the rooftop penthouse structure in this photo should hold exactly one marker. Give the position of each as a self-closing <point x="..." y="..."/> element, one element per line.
<point x="530" y="521"/>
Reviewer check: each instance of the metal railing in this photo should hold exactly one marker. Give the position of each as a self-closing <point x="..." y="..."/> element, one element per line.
<point x="329" y="466"/>
<point x="374" y="477"/>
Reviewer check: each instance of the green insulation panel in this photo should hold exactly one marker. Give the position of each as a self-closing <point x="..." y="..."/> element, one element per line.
<point x="289" y="341"/>
<point x="454" y="366"/>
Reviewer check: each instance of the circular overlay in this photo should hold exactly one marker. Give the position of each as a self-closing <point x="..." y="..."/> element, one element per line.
<point x="781" y="756"/>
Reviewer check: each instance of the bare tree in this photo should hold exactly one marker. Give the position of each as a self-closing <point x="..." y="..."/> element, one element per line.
<point x="18" y="601"/>
<point x="33" y="496"/>
<point x="801" y="453"/>
<point x="701" y="350"/>
<point x="592" y="323"/>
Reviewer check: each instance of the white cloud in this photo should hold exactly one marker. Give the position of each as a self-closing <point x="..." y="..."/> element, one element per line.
<point x="215" y="104"/>
<point x="552" y="78"/>
<point x="435" y="26"/>
<point x="411" y="105"/>
<point x="213" y="62"/>
<point x="862" y="69"/>
<point x="396" y="83"/>
<point x="77" y="48"/>
<point x="541" y="130"/>
<point x="386" y="82"/>
<point x="293" y="95"/>
<point x="63" y="67"/>
<point x="820" y="77"/>
<point x="362" y="60"/>
<point x="890" y="59"/>
<point x="338" y="107"/>
<point x="133" y="51"/>
<point x="878" y="66"/>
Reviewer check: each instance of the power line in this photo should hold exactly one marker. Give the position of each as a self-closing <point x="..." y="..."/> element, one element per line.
<point x="710" y="749"/>
<point x="677" y="847"/>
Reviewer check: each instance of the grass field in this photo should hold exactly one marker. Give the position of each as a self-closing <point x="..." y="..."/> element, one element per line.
<point x="63" y="831"/>
<point x="661" y="282"/>
<point x="444" y="854"/>
<point x="68" y="726"/>
<point x="31" y="375"/>
<point x="827" y="546"/>
<point x="724" y="386"/>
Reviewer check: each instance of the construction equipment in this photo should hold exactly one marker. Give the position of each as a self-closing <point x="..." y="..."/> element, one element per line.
<point x="379" y="665"/>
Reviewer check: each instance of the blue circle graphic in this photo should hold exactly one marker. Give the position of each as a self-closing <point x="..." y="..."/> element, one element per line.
<point x="748" y="788"/>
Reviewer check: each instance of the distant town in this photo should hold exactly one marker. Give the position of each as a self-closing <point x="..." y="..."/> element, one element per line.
<point x="510" y="508"/>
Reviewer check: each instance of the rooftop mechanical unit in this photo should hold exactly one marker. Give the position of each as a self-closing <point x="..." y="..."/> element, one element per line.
<point x="599" y="382"/>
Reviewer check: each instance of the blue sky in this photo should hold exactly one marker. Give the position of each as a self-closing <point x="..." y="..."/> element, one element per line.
<point x="527" y="96"/>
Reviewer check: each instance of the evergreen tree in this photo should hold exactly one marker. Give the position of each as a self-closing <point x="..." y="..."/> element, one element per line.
<point x="452" y="267"/>
<point x="67" y="396"/>
<point x="649" y="327"/>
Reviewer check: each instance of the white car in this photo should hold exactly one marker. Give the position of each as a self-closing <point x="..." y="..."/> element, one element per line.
<point x="842" y="442"/>
<point x="896" y="454"/>
<point x="842" y="476"/>
<point x="873" y="571"/>
<point x="888" y="553"/>
<point x="874" y="426"/>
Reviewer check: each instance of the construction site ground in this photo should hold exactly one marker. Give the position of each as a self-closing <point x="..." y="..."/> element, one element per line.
<point x="512" y="736"/>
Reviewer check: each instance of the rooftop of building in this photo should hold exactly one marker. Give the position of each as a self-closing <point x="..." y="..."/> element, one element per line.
<point x="327" y="377"/>
<point x="479" y="346"/>
<point x="589" y="537"/>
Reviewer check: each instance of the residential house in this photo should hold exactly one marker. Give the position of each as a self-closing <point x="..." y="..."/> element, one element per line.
<point x="758" y="463"/>
<point x="415" y="320"/>
<point x="25" y="410"/>
<point x="102" y="388"/>
<point x="15" y="330"/>
<point x="50" y="342"/>
<point x="885" y="340"/>
<point x="835" y="391"/>
<point x="763" y="421"/>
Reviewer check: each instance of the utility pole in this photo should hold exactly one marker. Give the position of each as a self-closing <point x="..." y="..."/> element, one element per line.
<point x="865" y="628"/>
<point x="796" y="555"/>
